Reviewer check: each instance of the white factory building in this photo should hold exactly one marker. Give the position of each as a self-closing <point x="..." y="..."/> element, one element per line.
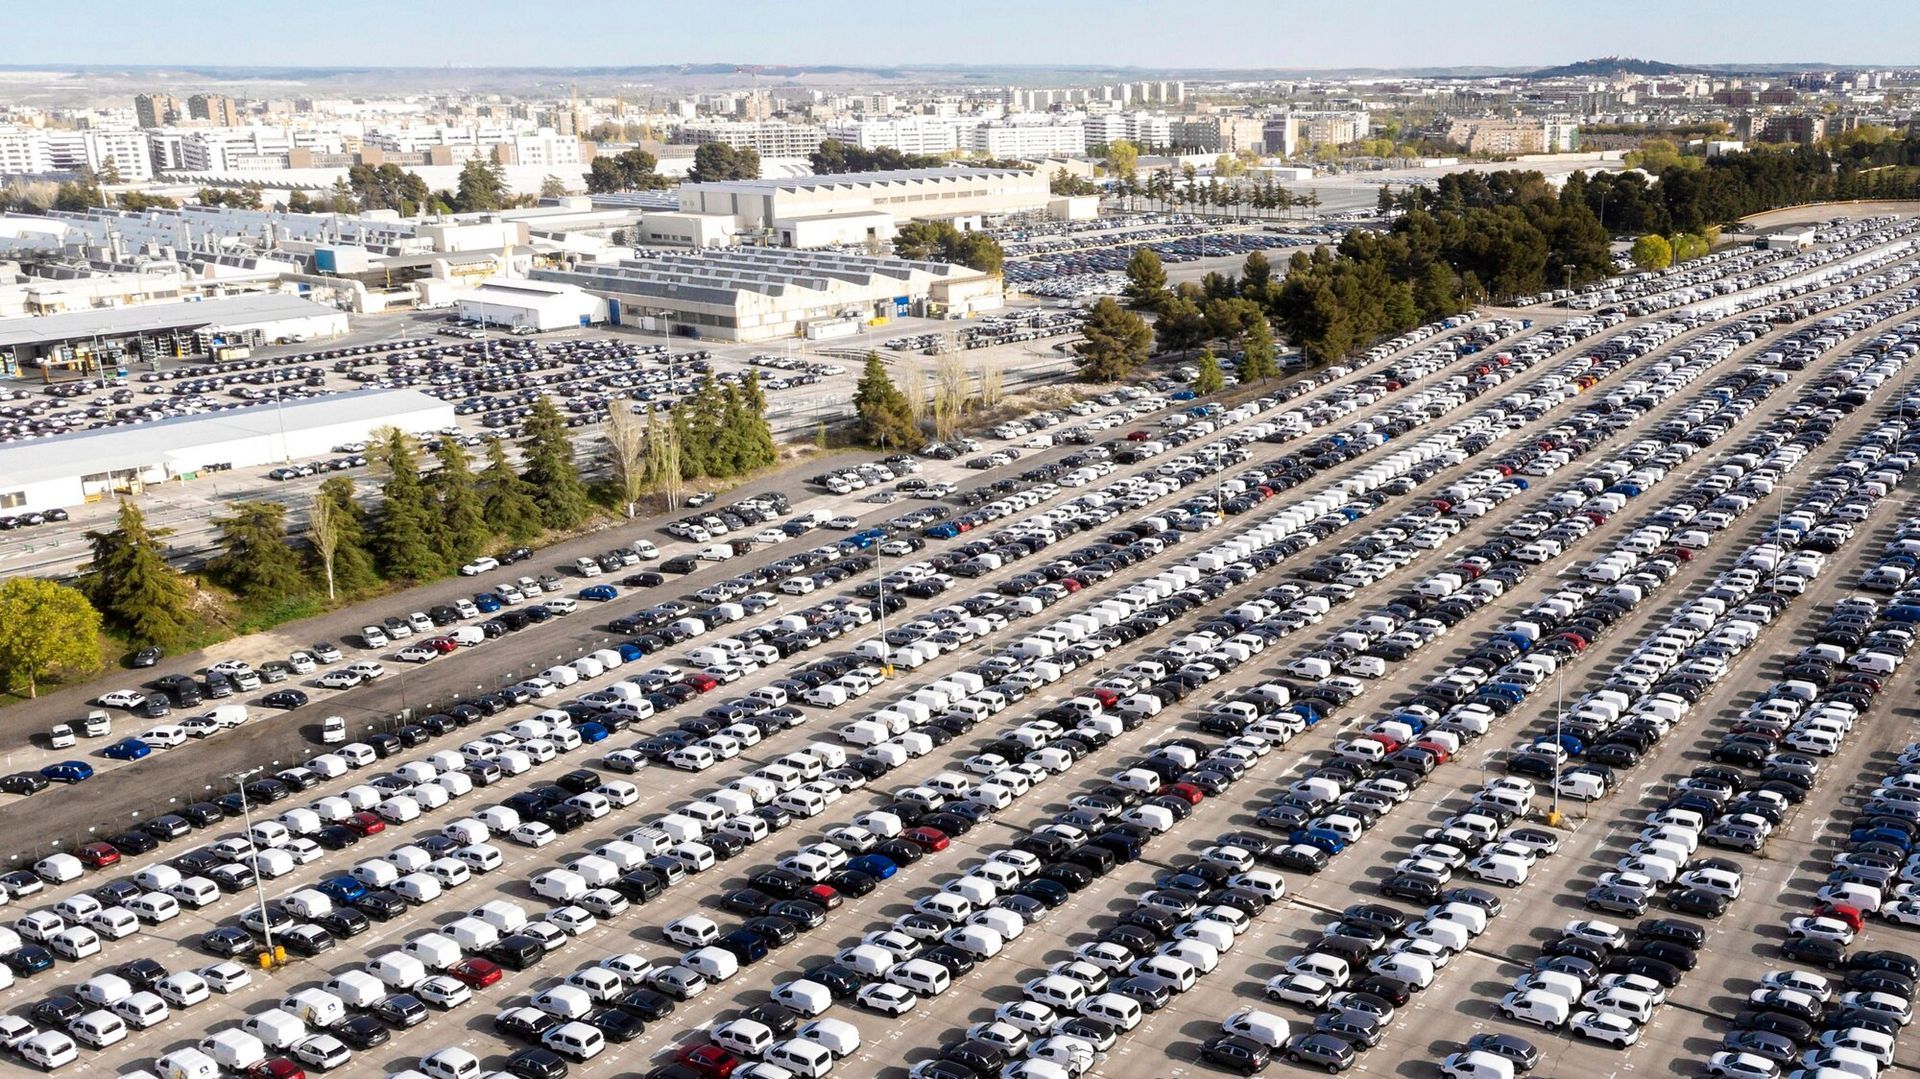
<point x="539" y="305"/>
<point x="814" y="211"/>
<point x="73" y="469"/>
<point x="759" y="294"/>
<point x="164" y="329"/>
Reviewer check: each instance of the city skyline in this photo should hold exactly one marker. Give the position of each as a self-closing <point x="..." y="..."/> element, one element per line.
<point x="1275" y="34"/>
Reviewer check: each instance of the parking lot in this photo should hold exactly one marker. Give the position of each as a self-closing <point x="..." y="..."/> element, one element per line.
<point x="1253" y="524"/>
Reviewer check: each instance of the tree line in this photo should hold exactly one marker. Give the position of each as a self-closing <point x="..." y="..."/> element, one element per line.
<point x="940" y="241"/>
<point x="900" y="415"/>
<point x="834" y="157"/>
<point x="438" y="509"/>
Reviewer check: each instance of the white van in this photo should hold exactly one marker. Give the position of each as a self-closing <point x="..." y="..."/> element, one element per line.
<point x="927" y="978"/>
<point x="575" y="1041"/>
<point x="1117" y="1011"/>
<point x="802" y="1057"/>
<point x="1478" y="1064"/>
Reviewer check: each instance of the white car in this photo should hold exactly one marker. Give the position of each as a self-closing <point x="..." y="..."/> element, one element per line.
<point x="1615" y="1030"/>
<point x="1799" y="981"/>
<point x="1832" y="929"/>
<point x="1302" y="989"/>
<point x="532" y="834"/>
<point x="418" y="653"/>
<point x="480" y="565"/>
<point x="301" y="663"/>
<point x="121" y="698"/>
<point x="692" y="931"/>
<point x="571" y="920"/>
<point x="1605" y="934"/>
<point x="340" y="679"/>
<point x="1742" y="1065"/>
<point x="226" y="977"/>
<point x="166" y="737"/>
<point x="442" y="991"/>
<point x="890" y="1000"/>
<point x="366" y="669"/>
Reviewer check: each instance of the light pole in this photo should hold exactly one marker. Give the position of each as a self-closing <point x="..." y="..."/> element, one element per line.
<point x="269" y="957"/>
<point x="1560" y="747"/>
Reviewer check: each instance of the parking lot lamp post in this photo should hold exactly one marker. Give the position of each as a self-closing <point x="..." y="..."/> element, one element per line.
<point x="269" y="957"/>
<point x="1559" y="717"/>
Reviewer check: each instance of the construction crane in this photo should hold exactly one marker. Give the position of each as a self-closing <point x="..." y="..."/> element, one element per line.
<point x="754" y="107"/>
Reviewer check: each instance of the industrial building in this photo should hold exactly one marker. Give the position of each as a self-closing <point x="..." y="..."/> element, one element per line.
<point x="104" y="338"/>
<point x="809" y="211"/>
<point x="758" y="294"/>
<point x="538" y="305"/>
<point x="86" y="466"/>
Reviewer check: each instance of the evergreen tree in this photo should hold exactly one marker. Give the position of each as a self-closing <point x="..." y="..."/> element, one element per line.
<point x="1181" y="325"/>
<point x="551" y="472"/>
<point x="255" y="559"/>
<point x="1117" y="341"/>
<point x="765" y="450"/>
<point x="463" y="533"/>
<point x="886" y="419"/>
<point x="1146" y="279"/>
<point x="132" y="585"/>
<point x="1259" y="363"/>
<point x="1210" y="379"/>
<point x="407" y="539"/>
<point x="506" y="500"/>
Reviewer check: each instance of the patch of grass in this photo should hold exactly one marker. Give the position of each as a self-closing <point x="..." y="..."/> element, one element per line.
<point x="258" y="618"/>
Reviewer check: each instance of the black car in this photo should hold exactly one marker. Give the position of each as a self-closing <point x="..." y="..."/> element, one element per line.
<point x="285" y="699"/>
<point x="57" y="1011"/>
<point x="616" y="1024"/>
<point x="141" y="973"/>
<point x="1797" y="1031"/>
<point x="536" y="1064"/>
<point x="399" y="1010"/>
<point x="361" y="1032"/>
<point x="1522" y="1052"/>
<point x="1234" y="1053"/>
<point x="1774" y="1047"/>
<point x="168" y="826"/>
<point x="24" y="783"/>
<point x="1825" y="953"/>
<point x="344" y="922"/>
<point x="146" y="657"/>
<point x="644" y="1003"/>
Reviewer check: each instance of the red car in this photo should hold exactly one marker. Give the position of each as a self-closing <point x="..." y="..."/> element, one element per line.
<point x="825" y="895"/>
<point x="98" y="855"/>
<point x="443" y="645"/>
<point x="707" y="1059"/>
<point x="475" y="973"/>
<point x="276" y="1068"/>
<point x="701" y="681"/>
<point x="1845" y="912"/>
<point x="927" y="839"/>
<point x="1187" y="793"/>
<point x="366" y="823"/>
<point x="1441" y="754"/>
<point x="1107" y="698"/>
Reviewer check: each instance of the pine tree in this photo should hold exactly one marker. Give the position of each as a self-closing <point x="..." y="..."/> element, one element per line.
<point x="886" y="419"/>
<point x="551" y="472"/>
<point x="1117" y="341"/>
<point x="132" y="585"/>
<point x="1146" y="279"/>
<point x="407" y="538"/>
<point x="765" y="450"/>
<point x="1258" y="363"/>
<point x="463" y="519"/>
<point x="1210" y="379"/>
<point x="255" y="560"/>
<point x="506" y="499"/>
<point x="736" y="442"/>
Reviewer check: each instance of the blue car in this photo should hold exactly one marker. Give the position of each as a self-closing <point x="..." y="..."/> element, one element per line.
<point x="342" y="889"/>
<point x="68" y="772"/>
<point x="591" y="732"/>
<point x="602" y="592"/>
<point x="630" y="652"/>
<point x="126" y="749"/>
<point x="1325" y="838"/>
<point x="1183" y="395"/>
<point x="877" y="866"/>
<point x="486" y="602"/>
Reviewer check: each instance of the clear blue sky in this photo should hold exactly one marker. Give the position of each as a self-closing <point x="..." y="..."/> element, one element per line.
<point x="1148" y="33"/>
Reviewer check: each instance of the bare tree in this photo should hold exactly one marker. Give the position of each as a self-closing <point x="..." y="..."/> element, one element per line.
<point x="663" y="451"/>
<point x="949" y="394"/>
<point x="913" y="386"/>
<point x="992" y="384"/>
<point x="627" y="453"/>
<point x="323" y="532"/>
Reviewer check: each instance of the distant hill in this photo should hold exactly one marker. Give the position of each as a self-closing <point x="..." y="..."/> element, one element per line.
<point x="1604" y="66"/>
<point x="1607" y="65"/>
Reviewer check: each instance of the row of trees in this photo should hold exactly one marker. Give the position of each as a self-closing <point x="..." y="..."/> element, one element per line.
<point x="720" y="432"/>
<point x="835" y="156"/>
<point x="940" y="241"/>
<point x="899" y="414"/>
<point x="1235" y="311"/>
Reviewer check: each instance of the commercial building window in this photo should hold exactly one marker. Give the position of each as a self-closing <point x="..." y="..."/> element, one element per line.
<point x="10" y="499"/>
